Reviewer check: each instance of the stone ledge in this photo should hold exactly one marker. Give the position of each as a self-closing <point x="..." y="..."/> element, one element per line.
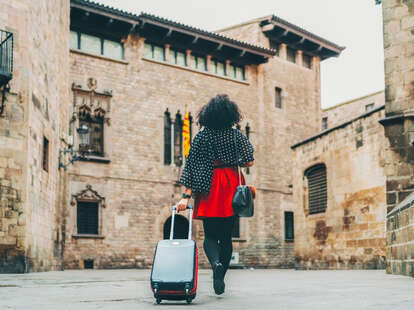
<point x="87" y="236"/>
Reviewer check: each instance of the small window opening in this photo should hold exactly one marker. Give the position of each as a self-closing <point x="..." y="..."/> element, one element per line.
<point x="88" y="264"/>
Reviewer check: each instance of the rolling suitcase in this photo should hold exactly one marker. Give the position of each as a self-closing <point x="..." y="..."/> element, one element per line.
<point x="175" y="266"/>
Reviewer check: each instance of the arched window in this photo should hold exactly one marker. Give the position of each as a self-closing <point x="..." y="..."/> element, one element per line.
<point x="317" y="188"/>
<point x="167" y="138"/>
<point x="178" y="139"/>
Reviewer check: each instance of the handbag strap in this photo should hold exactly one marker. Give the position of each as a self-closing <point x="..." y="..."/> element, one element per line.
<point x="237" y="157"/>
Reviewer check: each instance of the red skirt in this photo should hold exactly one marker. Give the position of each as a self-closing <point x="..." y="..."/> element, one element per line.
<point x="218" y="202"/>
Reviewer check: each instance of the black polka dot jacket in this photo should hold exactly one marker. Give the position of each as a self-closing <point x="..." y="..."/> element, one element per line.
<point x="211" y="145"/>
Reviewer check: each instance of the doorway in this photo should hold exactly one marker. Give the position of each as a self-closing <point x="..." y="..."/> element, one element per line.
<point x="180" y="227"/>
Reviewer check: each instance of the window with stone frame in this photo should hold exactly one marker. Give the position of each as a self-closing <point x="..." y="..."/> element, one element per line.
<point x="87" y="217"/>
<point x="289" y="226"/>
<point x="45" y="155"/>
<point x="278" y="98"/>
<point x="167" y="138"/>
<point x="324" y="123"/>
<point x="317" y="188"/>
<point x="88" y="214"/>
<point x="96" y="134"/>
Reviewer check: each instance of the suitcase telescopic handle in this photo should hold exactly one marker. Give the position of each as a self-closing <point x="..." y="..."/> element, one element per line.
<point x="190" y="225"/>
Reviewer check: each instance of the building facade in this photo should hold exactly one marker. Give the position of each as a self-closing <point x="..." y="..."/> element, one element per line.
<point x="99" y="192"/>
<point x="339" y="190"/>
<point x="33" y="127"/>
<point x="398" y="123"/>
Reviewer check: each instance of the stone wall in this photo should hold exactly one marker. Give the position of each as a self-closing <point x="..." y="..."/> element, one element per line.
<point x="348" y="110"/>
<point x="30" y="235"/>
<point x="350" y="234"/>
<point x="400" y="236"/>
<point x="398" y="19"/>
<point x="139" y="189"/>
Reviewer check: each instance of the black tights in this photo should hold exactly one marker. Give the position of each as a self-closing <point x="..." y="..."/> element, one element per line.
<point x="217" y="240"/>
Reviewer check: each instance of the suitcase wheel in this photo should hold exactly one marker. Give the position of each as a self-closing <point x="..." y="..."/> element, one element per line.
<point x="158" y="300"/>
<point x="189" y="300"/>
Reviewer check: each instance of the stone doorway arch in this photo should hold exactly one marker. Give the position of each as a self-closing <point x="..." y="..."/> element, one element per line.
<point x="180" y="227"/>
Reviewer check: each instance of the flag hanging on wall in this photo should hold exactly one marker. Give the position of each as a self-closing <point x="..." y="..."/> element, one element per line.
<point x="186" y="133"/>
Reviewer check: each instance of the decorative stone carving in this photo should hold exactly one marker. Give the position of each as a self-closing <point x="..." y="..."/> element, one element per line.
<point x="91" y="102"/>
<point x="88" y="194"/>
<point x="92" y="83"/>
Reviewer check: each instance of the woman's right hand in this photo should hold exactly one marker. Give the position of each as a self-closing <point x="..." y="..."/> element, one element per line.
<point x="182" y="204"/>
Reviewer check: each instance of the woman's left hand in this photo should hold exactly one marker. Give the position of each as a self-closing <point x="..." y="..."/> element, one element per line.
<point x="182" y="204"/>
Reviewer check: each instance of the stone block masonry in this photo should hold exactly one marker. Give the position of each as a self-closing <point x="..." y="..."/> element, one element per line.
<point x="350" y="233"/>
<point x="398" y="123"/>
<point x="30" y="184"/>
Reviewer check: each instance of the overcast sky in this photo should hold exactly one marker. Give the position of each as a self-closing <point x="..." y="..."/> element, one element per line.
<point x="355" y="24"/>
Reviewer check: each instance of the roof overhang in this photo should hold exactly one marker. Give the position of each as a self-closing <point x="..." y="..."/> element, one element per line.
<point x="281" y="31"/>
<point x="165" y="31"/>
<point x="116" y="24"/>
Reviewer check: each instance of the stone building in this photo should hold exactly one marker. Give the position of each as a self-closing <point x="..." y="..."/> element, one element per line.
<point x="339" y="190"/>
<point x="398" y="123"/>
<point x="33" y="127"/>
<point x="92" y="130"/>
<point x="348" y="110"/>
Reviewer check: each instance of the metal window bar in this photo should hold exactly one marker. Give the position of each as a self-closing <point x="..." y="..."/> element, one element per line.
<point x="88" y="218"/>
<point x="289" y="226"/>
<point x="6" y="57"/>
<point x="317" y="186"/>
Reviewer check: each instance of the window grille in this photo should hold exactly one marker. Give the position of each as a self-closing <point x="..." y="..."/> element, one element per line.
<point x="289" y="226"/>
<point x="317" y="188"/>
<point x="87" y="218"/>
<point x="96" y="135"/>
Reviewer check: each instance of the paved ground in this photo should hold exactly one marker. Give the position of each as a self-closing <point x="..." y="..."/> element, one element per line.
<point x="247" y="289"/>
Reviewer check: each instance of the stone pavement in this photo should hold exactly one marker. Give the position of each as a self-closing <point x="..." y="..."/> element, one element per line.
<point x="247" y="289"/>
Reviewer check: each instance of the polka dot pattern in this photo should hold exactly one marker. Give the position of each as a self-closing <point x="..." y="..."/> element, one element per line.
<point x="211" y="145"/>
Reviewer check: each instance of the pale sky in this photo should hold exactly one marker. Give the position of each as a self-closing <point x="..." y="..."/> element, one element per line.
<point x="355" y="24"/>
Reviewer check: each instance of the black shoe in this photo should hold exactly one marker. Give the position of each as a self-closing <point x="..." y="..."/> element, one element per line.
<point x="218" y="278"/>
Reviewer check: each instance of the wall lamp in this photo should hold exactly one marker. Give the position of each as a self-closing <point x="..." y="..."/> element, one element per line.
<point x="75" y="155"/>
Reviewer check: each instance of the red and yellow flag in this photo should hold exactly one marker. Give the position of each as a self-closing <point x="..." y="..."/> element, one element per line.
<point x="186" y="133"/>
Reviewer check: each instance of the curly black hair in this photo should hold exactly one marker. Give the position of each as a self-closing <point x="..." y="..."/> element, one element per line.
<point x="219" y="113"/>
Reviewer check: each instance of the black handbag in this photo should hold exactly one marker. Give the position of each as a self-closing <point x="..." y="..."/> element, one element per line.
<point x="242" y="202"/>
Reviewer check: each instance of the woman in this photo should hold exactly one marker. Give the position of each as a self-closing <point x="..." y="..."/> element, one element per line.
<point x="210" y="174"/>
